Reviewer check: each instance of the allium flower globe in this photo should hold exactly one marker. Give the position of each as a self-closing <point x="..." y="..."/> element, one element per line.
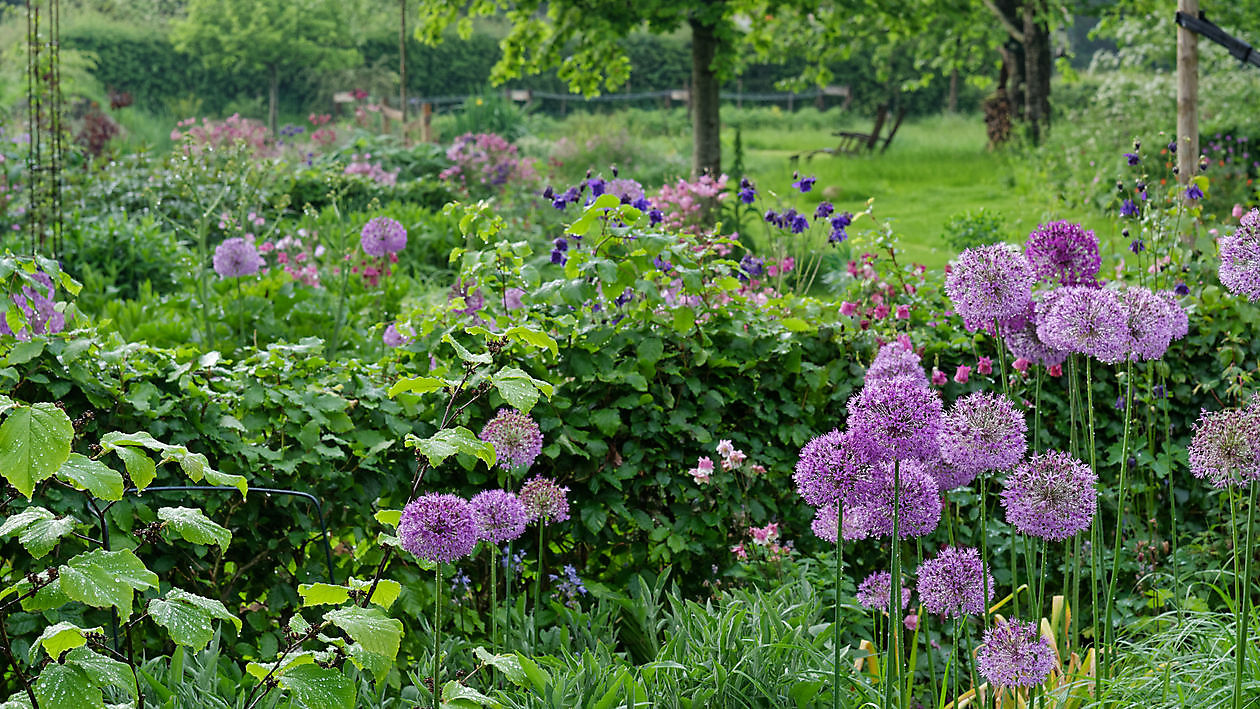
<point x="500" y="516"/>
<point x="918" y="501"/>
<point x="1014" y="654"/>
<point x="1090" y="321"/>
<point x="438" y="528"/>
<point x="1225" y="449"/>
<point x="989" y="283"/>
<point x="1020" y="335"/>
<point x="1240" y="258"/>
<point x="896" y="360"/>
<point x="236" y="257"/>
<point x="382" y="236"/>
<point x="1179" y="320"/>
<point x="1063" y="253"/>
<point x="983" y="432"/>
<point x="1151" y="323"/>
<point x="830" y="469"/>
<point x="1052" y="496"/>
<point x="896" y="418"/>
<point x="948" y="477"/>
<point x="953" y="583"/>
<point x="875" y="592"/>
<point x="544" y="500"/>
<point x="826" y="522"/>
<point x="517" y="440"/>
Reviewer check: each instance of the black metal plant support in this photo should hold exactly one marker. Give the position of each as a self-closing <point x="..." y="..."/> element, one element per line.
<point x="45" y="126"/>
<point x="1207" y="29"/>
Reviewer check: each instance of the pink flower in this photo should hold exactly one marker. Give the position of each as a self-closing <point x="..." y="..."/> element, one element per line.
<point x="1021" y="364"/>
<point x="1238" y="211"/>
<point x="847" y="308"/>
<point x="911" y="622"/>
<point x="903" y="312"/>
<point x="963" y="374"/>
<point x="985" y="366"/>
<point x="757" y="469"/>
<point x="1055" y="370"/>
<point x="938" y="377"/>
<point x="724" y="448"/>
<point x="702" y="471"/>
<point x="765" y="535"/>
<point x="739" y="551"/>
<point x="881" y="312"/>
<point x="733" y="460"/>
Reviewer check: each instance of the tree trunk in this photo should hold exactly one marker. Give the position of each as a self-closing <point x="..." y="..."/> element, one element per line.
<point x="1036" y="70"/>
<point x="951" y="104"/>
<point x="706" y="154"/>
<point x="402" y="65"/>
<point x="275" y="96"/>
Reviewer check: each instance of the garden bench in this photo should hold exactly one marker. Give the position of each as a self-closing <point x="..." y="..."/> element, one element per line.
<point x="853" y="143"/>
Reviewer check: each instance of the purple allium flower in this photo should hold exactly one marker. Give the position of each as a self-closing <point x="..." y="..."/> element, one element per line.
<point x="918" y="501"/>
<point x="953" y="584"/>
<point x="990" y="283"/>
<point x="236" y="257"/>
<point x="625" y="189"/>
<point x="1151" y="323"/>
<point x="983" y="432"/>
<point x="516" y="438"/>
<point x="1240" y="258"/>
<point x="1052" y="496"/>
<point x="393" y="337"/>
<point x="830" y="469"/>
<point x="896" y="360"/>
<point x="826" y="522"/>
<point x="1014" y="654"/>
<point x="1225" y="450"/>
<point x="39" y="308"/>
<point x="381" y="236"/>
<point x="896" y="418"/>
<point x="544" y="500"/>
<point x="876" y="591"/>
<point x="1178" y="320"/>
<point x="438" y="528"/>
<point x="948" y="477"/>
<point x="1129" y="208"/>
<point x="1090" y="321"/>
<point x="500" y="516"/>
<point x="1064" y="253"/>
<point x="1023" y="342"/>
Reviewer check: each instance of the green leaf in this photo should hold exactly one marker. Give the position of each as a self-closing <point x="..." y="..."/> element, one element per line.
<point x="316" y="687"/>
<point x="58" y="638"/>
<point x="103" y="670"/>
<point x="727" y="283"/>
<point x="186" y="624"/>
<point x="449" y="441"/>
<point x="24" y="352"/>
<point x="102" y="578"/>
<point x="464" y="354"/>
<point x="293" y="660"/>
<point x="608" y="421"/>
<point x="509" y="665"/>
<point x="92" y="475"/>
<point x="139" y="466"/>
<point x="215" y="608"/>
<point x="517" y="388"/>
<point x="369" y="627"/>
<point x="537" y="338"/>
<point x="34" y="442"/>
<point x="459" y="696"/>
<point x="684" y="319"/>
<point x="796" y="325"/>
<point x="38" y="529"/>
<point x="387" y="591"/>
<point x="219" y="479"/>
<point x="378" y="665"/>
<point x="418" y="385"/>
<point x="389" y="518"/>
<point x="318" y="594"/>
<point x="65" y="686"/>
<point x="193" y="525"/>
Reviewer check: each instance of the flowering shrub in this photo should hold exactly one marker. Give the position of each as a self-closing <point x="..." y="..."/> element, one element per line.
<point x="485" y="164"/>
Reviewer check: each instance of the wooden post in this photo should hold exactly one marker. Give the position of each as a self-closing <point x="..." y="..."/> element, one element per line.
<point x="1187" y="96"/>
<point x="426" y="128"/>
<point x="402" y="65"/>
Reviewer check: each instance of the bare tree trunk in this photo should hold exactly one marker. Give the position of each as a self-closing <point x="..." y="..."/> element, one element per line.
<point x="706" y="156"/>
<point x="951" y="103"/>
<point x="402" y="65"/>
<point x="275" y="97"/>
<point x="1036" y="70"/>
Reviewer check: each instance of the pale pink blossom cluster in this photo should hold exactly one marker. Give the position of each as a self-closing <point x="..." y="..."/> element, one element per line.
<point x="687" y="205"/>
<point x="879" y="296"/>
<point x="214" y="134"/>
<point x="732" y="459"/>
<point x="360" y="165"/>
<point x="297" y="254"/>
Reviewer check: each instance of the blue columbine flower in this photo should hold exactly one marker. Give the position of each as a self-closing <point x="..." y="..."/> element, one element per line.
<point x="747" y="191"/>
<point x="842" y="220"/>
<point x="1194" y="192"/>
<point x="1182" y="289"/>
<point x="642" y="204"/>
<point x="752" y="265"/>
<point x="823" y="210"/>
<point x="597" y="186"/>
<point x="1129" y="208"/>
<point x="656" y="216"/>
<point x="558" y="257"/>
<point x="771" y="216"/>
<point x="1137" y="246"/>
<point x="1172" y="147"/>
<point x="1133" y="158"/>
<point x="561" y="244"/>
<point x="805" y="184"/>
<point x="799" y="224"/>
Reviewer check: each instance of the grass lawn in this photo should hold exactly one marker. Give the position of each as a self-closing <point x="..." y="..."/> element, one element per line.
<point x="935" y="168"/>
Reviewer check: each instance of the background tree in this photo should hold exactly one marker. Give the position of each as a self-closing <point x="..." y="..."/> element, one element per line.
<point x="276" y="38"/>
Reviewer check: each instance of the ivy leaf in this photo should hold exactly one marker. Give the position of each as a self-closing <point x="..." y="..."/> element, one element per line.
<point x="448" y="442"/>
<point x="318" y="594"/>
<point x="139" y="466"/>
<point x="92" y="475"/>
<point x="103" y="670"/>
<point x="58" y="638"/>
<point x="38" y="529"/>
<point x="194" y="526"/>
<point x="67" y="686"/>
<point x="102" y="578"/>
<point x="316" y="687"/>
<point x="34" y="442"/>
<point x="369" y="627"/>
<point x="418" y="385"/>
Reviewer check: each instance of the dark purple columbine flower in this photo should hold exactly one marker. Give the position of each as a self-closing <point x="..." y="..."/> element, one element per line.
<point x="747" y="191"/>
<point x="438" y="528"/>
<point x="655" y="216"/>
<point x="1052" y="496"/>
<point x="771" y="217"/>
<point x="1129" y="208"/>
<point x="1063" y="252"/>
<point x="1182" y="289"/>
<point x="953" y="584"/>
<point x="805" y="184"/>
<point x="597" y="186"/>
<point x="842" y="220"/>
<point x="558" y="257"/>
<point x="753" y="266"/>
<point x="561" y="243"/>
<point x="642" y="204"/>
<point x="823" y="210"/>
<point x="799" y="224"/>
<point x="517" y="440"/>
<point x="837" y="236"/>
<point x="1132" y="158"/>
<point x="1194" y="192"/>
<point x="1014" y="654"/>
<point x="1137" y="246"/>
<point x="1172" y="147"/>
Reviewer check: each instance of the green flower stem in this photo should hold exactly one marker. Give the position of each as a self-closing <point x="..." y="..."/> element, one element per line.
<point x="835" y="631"/>
<point x="1172" y="497"/>
<point x="494" y="597"/>
<point x="894" y="592"/>
<point x="984" y="548"/>
<point x="542" y="528"/>
<point x="240" y="314"/>
<point x="1120" y="494"/>
<point x="437" y="638"/>
<point x="1244" y="599"/>
<point x="1095" y="525"/>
